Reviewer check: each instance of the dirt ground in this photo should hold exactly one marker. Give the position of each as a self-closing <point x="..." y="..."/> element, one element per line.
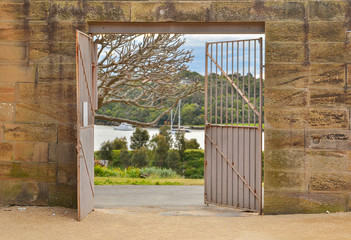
<point x="167" y="223"/>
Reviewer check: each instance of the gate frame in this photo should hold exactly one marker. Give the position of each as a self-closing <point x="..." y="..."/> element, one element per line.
<point x="250" y="105"/>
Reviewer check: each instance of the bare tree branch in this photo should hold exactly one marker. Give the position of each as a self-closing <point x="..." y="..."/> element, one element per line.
<point x="142" y="70"/>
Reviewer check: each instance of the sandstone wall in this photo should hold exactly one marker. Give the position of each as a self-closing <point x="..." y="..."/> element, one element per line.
<point x="307" y="101"/>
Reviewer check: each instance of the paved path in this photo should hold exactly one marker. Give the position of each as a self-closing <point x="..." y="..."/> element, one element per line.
<point x="113" y="196"/>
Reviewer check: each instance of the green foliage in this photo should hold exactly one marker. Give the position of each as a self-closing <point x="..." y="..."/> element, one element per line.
<point x="180" y="143"/>
<point x="193" y="164"/>
<point x="165" y="131"/>
<point x="105" y="172"/>
<point x="160" y="148"/>
<point x="107" y="147"/>
<point x="155" y="172"/>
<point x="133" y="172"/>
<point x="192" y="144"/>
<point x="139" y="138"/>
<point x="119" y="143"/>
<point x="105" y="152"/>
<point x="125" y="158"/>
<point x="139" y="158"/>
<point x="173" y="160"/>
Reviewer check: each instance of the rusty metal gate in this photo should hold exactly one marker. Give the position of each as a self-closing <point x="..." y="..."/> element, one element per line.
<point x="233" y="132"/>
<point x="86" y="58"/>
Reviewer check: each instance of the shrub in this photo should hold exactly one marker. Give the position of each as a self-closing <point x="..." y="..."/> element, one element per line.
<point x="192" y="144"/>
<point x="119" y="143"/>
<point x="139" y="158"/>
<point x="139" y="138"/>
<point x="155" y="172"/>
<point x="173" y="160"/>
<point x="100" y="171"/>
<point x="193" y="164"/>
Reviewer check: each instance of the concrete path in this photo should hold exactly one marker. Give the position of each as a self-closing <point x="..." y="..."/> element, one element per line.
<point x="114" y="196"/>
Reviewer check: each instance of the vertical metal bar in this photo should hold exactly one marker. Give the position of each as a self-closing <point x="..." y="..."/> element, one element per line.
<point x="232" y="89"/>
<point x="206" y="83"/>
<point x="255" y="82"/>
<point x="248" y="76"/>
<point x="216" y="95"/>
<point x="237" y="83"/>
<point x="243" y="82"/>
<point x="226" y="91"/>
<point x="211" y="90"/>
<point x="206" y="127"/>
<point x="260" y="124"/>
<point x="221" y="83"/>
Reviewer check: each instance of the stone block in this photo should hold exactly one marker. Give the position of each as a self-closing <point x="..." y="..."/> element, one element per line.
<point x="285" y="31"/>
<point x="31" y="152"/>
<point x="34" y="132"/>
<point x="327" y="76"/>
<point x="278" y="180"/>
<point x="46" y="113"/>
<point x="92" y="11"/>
<point x="67" y="133"/>
<point x="279" y="52"/>
<point x="7" y="112"/>
<point x="286" y="75"/>
<point x="328" y="118"/>
<point x="63" y="195"/>
<point x="12" y="73"/>
<point x="171" y="11"/>
<point x="328" y="139"/>
<point x="64" y="52"/>
<point x="67" y="174"/>
<point x="327" y="32"/>
<point x="46" y="92"/>
<point x="284" y="159"/>
<point x="294" y="202"/>
<point x="257" y="11"/>
<point x="23" y="193"/>
<point x="327" y="160"/>
<point x="12" y="11"/>
<point x="63" y="152"/>
<point x="1" y="132"/>
<point x="329" y="98"/>
<point x="327" y="52"/>
<point x="6" y="152"/>
<point x="285" y="118"/>
<point x="327" y="10"/>
<point x="330" y="181"/>
<point x="57" y="71"/>
<point x="7" y="93"/>
<point x="279" y="98"/>
<point x="28" y="171"/>
<point x="277" y="139"/>
<point x="13" y="51"/>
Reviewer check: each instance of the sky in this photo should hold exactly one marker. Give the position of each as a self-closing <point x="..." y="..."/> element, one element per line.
<point x="197" y="43"/>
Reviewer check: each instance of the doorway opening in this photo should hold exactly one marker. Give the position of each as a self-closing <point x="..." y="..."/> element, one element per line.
<point x="221" y="36"/>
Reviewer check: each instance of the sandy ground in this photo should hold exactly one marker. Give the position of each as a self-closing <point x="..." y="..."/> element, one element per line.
<point x="168" y="223"/>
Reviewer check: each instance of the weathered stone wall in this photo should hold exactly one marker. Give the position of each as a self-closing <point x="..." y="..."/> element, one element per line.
<point x="308" y="150"/>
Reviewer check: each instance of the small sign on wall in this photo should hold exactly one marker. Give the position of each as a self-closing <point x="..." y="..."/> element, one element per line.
<point x="85" y="114"/>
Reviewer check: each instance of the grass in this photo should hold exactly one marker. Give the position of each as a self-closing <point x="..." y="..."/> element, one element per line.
<point x="146" y="181"/>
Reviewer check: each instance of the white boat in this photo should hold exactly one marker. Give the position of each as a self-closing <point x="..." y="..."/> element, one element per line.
<point x="179" y="128"/>
<point x="124" y="127"/>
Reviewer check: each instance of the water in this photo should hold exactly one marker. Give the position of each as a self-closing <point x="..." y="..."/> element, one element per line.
<point x="104" y="133"/>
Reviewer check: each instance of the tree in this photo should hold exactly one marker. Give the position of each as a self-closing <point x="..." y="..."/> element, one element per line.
<point x="173" y="160"/>
<point x="192" y="144"/>
<point x="160" y="149"/>
<point x="139" y="138"/>
<point x="180" y="143"/>
<point x="105" y="152"/>
<point x="119" y="143"/>
<point x="142" y="70"/>
<point x="139" y="158"/>
<point x="125" y="158"/>
<point x="165" y="131"/>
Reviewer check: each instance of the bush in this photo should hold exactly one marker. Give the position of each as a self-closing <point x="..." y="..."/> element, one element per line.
<point x="192" y="144"/>
<point x="139" y="138"/>
<point x="139" y="158"/>
<point x="173" y="160"/>
<point x="155" y="172"/>
<point x="193" y="165"/>
<point x="100" y="171"/>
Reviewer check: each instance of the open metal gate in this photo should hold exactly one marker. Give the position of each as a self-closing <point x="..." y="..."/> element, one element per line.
<point x="86" y="58"/>
<point x="233" y="119"/>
